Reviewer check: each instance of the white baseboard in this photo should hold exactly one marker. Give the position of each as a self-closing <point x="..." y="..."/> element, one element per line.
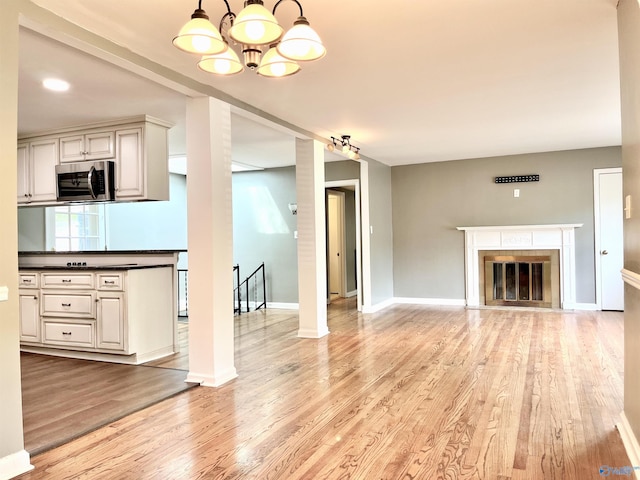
<point x="284" y="306"/>
<point x="629" y="441"/>
<point x="15" y="464"/>
<point x="445" y="302"/>
<point x="591" y="307"/>
<point x="352" y="293"/>
<point x="378" y="306"/>
<point x="309" y="333"/>
<point x="212" y="381"/>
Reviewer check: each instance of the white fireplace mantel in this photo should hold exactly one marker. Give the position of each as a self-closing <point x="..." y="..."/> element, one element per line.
<point x="522" y="237"/>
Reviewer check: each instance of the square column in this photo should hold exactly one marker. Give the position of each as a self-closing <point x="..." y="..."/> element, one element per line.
<point x="210" y="242"/>
<point x="14" y="459"/>
<point x="312" y="242"/>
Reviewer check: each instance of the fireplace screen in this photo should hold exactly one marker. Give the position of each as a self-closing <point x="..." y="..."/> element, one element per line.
<point x="518" y="280"/>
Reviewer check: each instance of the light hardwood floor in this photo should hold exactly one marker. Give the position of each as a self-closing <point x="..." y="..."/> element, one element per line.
<point x="411" y="392"/>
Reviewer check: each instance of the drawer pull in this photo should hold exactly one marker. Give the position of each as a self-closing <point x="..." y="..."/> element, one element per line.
<point x="66" y="304"/>
<point x="66" y="333"/>
<point x="26" y="280"/>
<point x="109" y="282"/>
<point x="66" y="280"/>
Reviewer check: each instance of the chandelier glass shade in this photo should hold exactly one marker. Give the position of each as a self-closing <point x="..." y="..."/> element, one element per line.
<point x="200" y="36"/>
<point x="301" y="43"/>
<point x="275" y="65"/>
<point x="252" y="29"/>
<point x="255" y="25"/>
<point x="225" y="63"/>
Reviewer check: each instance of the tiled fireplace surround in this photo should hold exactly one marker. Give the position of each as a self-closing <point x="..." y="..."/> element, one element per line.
<point x="521" y="238"/>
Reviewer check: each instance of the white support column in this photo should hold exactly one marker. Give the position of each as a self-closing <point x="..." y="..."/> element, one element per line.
<point x="14" y="459"/>
<point x="312" y="253"/>
<point x="210" y="242"/>
<point x="366" y="238"/>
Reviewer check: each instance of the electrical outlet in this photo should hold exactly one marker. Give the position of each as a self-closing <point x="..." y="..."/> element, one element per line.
<point x="4" y="294"/>
<point x="516" y="193"/>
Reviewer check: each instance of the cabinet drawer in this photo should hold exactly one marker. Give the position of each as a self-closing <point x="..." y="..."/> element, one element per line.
<point x="75" y="305"/>
<point x="67" y="280"/>
<point x="109" y="281"/>
<point x="71" y="334"/>
<point x="28" y="280"/>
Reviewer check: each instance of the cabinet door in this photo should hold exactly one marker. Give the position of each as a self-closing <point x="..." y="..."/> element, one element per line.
<point x="110" y="321"/>
<point x="23" y="173"/>
<point x="99" y="146"/>
<point x="44" y="158"/>
<point x="72" y="148"/>
<point x="29" y="317"/>
<point x="130" y="165"/>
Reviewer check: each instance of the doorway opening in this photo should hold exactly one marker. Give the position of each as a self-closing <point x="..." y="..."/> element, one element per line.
<point x="344" y="257"/>
<point x="336" y="249"/>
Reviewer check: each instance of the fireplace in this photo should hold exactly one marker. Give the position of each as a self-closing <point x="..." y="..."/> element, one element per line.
<point x="520" y="280"/>
<point x="556" y="241"/>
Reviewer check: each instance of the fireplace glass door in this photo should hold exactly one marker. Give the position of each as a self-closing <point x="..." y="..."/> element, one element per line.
<point x="518" y="281"/>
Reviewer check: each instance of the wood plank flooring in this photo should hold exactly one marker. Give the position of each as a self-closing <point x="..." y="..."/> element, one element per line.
<point x="64" y="398"/>
<point x="411" y="392"/>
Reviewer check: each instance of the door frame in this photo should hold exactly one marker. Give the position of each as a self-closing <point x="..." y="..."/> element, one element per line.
<point x="355" y="183"/>
<point x="340" y="225"/>
<point x="597" y="172"/>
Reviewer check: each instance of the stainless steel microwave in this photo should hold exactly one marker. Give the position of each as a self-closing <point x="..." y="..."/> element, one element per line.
<point x="86" y="181"/>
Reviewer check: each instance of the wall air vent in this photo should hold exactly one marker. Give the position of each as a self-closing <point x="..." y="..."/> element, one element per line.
<point x="518" y="179"/>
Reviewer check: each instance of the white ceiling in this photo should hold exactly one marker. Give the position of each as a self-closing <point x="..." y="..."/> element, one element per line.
<point x="411" y="82"/>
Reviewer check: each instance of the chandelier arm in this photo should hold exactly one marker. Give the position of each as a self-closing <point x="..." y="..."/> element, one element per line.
<point x="228" y="8"/>
<point x="231" y="16"/>
<point x="280" y="1"/>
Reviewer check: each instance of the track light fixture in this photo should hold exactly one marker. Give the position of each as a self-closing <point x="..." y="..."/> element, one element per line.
<point x="252" y="29"/>
<point x="344" y="143"/>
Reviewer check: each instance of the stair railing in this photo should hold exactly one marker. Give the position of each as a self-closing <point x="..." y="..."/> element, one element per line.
<point x="257" y="274"/>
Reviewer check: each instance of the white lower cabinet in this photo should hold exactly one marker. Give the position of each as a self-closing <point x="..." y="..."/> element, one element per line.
<point x="110" y="320"/>
<point x="67" y="334"/>
<point x="119" y="316"/>
<point x="29" y="316"/>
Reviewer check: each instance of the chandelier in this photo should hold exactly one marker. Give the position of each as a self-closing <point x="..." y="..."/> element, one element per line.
<point x="255" y="29"/>
<point x="344" y="143"/>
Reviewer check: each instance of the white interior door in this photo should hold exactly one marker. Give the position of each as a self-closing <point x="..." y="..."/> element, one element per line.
<point x="335" y="219"/>
<point x="609" y="245"/>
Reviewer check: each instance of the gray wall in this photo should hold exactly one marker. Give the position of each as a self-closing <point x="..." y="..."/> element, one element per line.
<point x="345" y="170"/>
<point x="263" y="229"/>
<point x="629" y="42"/>
<point x="380" y="217"/>
<point x="431" y="200"/>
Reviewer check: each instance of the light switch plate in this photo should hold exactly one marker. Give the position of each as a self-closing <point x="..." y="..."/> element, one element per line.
<point x="4" y="294"/>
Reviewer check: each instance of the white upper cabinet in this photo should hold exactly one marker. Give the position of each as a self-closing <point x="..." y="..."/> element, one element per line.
<point x="37" y="161"/>
<point x="90" y="146"/>
<point x="137" y="145"/>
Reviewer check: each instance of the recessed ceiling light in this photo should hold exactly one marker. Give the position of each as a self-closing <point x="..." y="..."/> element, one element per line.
<point x="55" y="84"/>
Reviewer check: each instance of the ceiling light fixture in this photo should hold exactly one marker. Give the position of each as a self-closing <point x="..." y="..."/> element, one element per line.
<point x="344" y="143"/>
<point x="252" y="29"/>
<point x="55" y="84"/>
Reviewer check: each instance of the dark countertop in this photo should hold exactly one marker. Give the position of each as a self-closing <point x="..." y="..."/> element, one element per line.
<point x="130" y="266"/>
<point x="103" y="252"/>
